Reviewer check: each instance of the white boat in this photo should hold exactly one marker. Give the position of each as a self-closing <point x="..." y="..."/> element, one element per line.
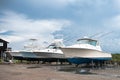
<point x="21" y="54"/>
<point x="32" y="51"/>
<point x="86" y="50"/>
<point x="52" y="51"/>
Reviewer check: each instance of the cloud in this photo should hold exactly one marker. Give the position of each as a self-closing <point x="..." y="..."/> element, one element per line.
<point x="3" y="31"/>
<point x="23" y="28"/>
<point x="116" y="4"/>
<point x="113" y="22"/>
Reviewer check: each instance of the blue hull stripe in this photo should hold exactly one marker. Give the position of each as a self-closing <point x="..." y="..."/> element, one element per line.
<point x="87" y="60"/>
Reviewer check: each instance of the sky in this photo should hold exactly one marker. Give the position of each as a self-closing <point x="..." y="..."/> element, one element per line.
<point x="21" y="20"/>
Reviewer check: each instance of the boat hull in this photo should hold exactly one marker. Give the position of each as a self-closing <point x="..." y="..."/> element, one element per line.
<point x="78" y="60"/>
<point x="37" y="54"/>
<point x="82" y="55"/>
<point x="49" y="55"/>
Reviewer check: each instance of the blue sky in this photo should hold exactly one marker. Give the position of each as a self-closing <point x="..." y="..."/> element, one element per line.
<point x="21" y="20"/>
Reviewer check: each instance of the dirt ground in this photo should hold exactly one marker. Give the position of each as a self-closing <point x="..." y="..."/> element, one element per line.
<point x="50" y="72"/>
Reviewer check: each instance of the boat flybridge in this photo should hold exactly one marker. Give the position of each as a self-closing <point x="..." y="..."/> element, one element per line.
<point x="86" y="50"/>
<point x="53" y="50"/>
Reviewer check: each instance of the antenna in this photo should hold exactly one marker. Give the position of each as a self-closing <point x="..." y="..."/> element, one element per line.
<point x="100" y="34"/>
<point x="95" y="35"/>
<point x="58" y="36"/>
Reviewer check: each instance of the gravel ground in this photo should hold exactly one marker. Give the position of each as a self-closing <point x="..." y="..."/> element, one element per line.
<point x="51" y="72"/>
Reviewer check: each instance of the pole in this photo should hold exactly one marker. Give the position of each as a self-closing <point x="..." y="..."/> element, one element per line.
<point x="1" y="56"/>
<point x="92" y="64"/>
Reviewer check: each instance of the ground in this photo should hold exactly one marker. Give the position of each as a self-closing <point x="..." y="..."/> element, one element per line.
<point x="51" y="72"/>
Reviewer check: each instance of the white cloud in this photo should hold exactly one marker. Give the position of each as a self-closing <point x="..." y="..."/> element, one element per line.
<point x="2" y="31"/>
<point x="12" y="38"/>
<point x="113" y="22"/>
<point x="24" y="28"/>
<point x="116" y="4"/>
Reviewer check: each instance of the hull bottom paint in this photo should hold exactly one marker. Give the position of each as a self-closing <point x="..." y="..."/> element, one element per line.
<point x="86" y="60"/>
<point x="49" y="55"/>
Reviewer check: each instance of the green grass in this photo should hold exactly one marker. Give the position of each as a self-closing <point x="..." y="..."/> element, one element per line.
<point x="116" y="57"/>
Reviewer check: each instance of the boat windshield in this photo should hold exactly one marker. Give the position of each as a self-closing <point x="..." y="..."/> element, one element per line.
<point x="51" y="47"/>
<point x="91" y="42"/>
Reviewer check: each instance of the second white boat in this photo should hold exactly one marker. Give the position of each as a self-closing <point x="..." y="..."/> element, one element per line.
<point x="85" y="51"/>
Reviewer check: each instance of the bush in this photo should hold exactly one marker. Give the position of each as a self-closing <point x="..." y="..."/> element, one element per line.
<point x="116" y="57"/>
